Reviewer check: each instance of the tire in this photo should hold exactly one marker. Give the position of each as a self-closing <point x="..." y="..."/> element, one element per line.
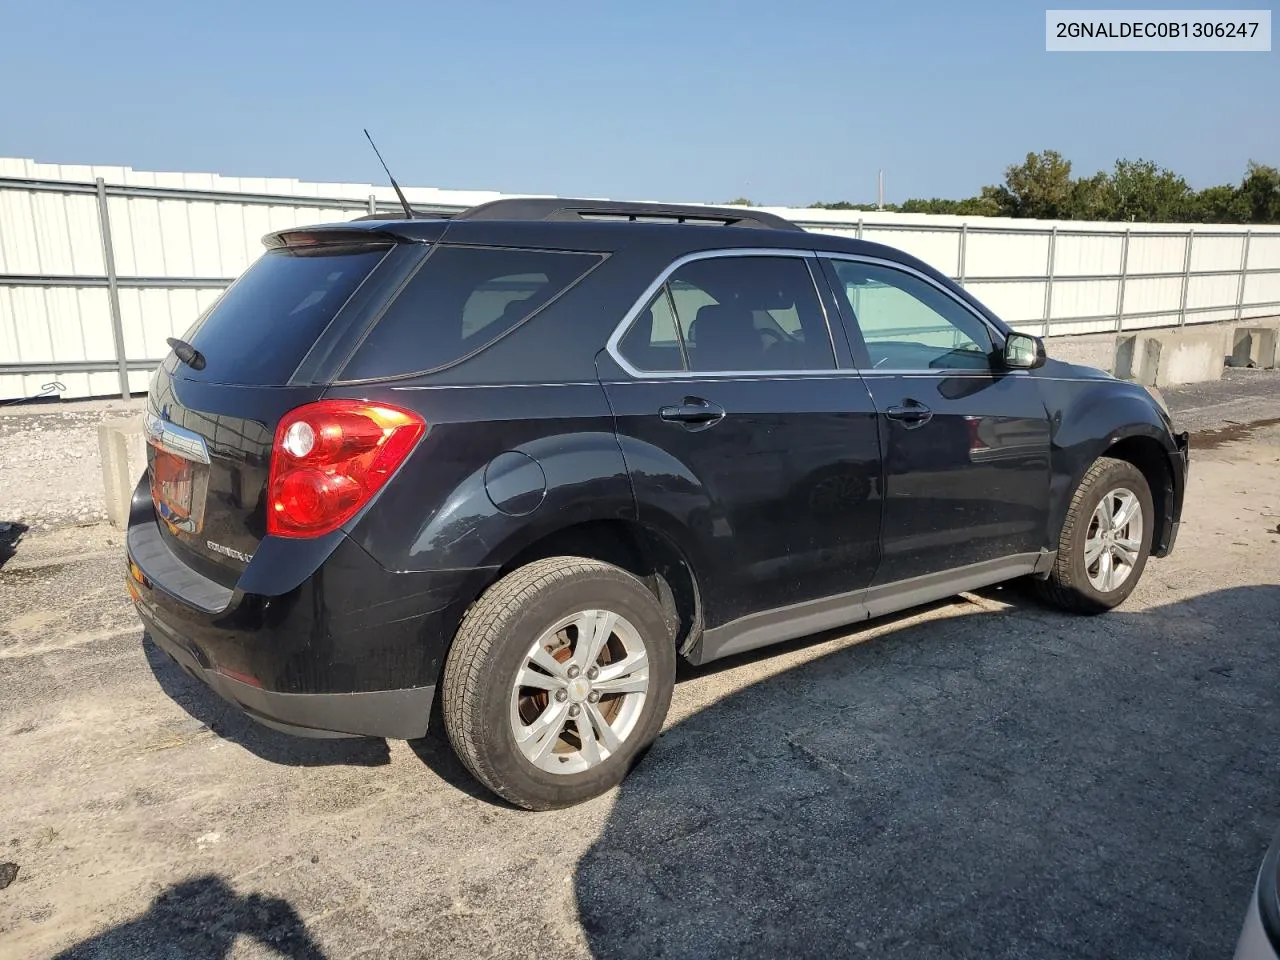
<point x="483" y="709"/>
<point x="1076" y="585"/>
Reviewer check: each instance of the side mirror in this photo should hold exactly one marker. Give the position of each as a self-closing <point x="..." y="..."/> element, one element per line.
<point x="1023" y="352"/>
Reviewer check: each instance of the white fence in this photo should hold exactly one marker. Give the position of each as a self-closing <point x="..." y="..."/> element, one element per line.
<point x="98" y="265"/>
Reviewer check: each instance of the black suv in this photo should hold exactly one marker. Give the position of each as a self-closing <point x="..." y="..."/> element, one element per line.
<point x="509" y="465"/>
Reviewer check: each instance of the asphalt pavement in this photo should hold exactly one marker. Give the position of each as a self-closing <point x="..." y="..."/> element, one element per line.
<point x="983" y="778"/>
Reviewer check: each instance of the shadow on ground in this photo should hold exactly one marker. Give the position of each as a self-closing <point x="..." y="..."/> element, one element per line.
<point x="231" y="724"/>
<point x="1008" y="784"/>
<point x="11" y="533"/>
<point x="435" y="751"/>
<point x="200" y="919"/>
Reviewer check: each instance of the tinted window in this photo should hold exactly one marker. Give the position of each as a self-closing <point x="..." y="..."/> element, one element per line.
<point x="460" y="300"/>
<point x="261" y="328"/>
<point x="653" y="342"/>
<point x="751" y="313"/>
<point x="909" y="324"/>
<point x="736" y="314"/>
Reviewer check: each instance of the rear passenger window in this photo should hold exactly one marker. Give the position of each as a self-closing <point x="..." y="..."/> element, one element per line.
<point x="460" y="300"/>
<point x="733" y="314"/>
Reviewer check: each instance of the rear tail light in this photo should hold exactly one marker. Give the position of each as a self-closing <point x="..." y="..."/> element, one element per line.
<point x="329" y="458"/>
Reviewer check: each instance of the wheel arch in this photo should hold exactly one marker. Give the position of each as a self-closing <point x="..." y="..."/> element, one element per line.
<point x="646" y="553"/>
<point x="1113" y="419"/>
<point x="1143" y="446"/>
<point x="1151" y="459"/>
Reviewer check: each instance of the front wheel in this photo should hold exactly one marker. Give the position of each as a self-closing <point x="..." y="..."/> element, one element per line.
<point x="558" y="680"/>
<point x="1105" y="540"/>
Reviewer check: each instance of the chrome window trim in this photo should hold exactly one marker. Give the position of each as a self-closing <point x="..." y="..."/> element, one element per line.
<point x="620" y="331"/>
<point x="998" y="336"/>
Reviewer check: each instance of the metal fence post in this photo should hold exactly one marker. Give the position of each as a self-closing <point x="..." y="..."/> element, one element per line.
<point x="859" y="228"/>
<point x="113" y="290"/>
<point x="1048" y="280"/>
<point x="373" y="204"/>
<point x="1244" y="273"/>
<point x="1124" y="274"/>
<point x="1186" y="277"/>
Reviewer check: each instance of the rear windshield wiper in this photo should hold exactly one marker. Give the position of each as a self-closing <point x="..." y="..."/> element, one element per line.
<point x="185" y="352"/>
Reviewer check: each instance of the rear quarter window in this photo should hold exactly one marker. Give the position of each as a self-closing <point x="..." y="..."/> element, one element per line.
<point x="259" y="330"/>
<point x="461" y="300"/>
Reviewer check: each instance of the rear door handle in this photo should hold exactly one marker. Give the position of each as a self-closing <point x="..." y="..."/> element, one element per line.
<point x="910" y="414"/>
<point x="693" y="413"/>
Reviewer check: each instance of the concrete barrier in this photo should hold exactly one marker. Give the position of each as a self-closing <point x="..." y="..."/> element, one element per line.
<point x="124" y="460"/>
<point x="1166" y="358"/>
<point x="1172" y="355"/>
<point x="1091" y="350"/>
<point x="1256" y="347"/>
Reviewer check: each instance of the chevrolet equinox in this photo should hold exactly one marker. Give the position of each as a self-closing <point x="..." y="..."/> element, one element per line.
<point x="504" y="468"/>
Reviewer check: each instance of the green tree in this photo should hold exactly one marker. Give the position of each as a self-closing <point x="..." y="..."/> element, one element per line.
<point x="1092" y="198"/>
<point x="1221" y="204"/>
<point x="847" y="205"/>
<point x="1135" y="190"/>
<point x="1000" y="199"/>
<point x="934" y="205"/>
<point x="740" y="202"/>
<point x="1039" y="187"/>
<point x="1147" y="193"/>
<point x="1260" y="194"/>
<point x="970" y="206"/>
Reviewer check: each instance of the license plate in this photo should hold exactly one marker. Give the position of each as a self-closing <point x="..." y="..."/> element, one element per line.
<point x="173" y="490"/>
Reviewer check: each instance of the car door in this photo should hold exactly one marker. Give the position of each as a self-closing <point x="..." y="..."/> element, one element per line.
<point x="966" y="441"/>
<point x="746" y="441"/>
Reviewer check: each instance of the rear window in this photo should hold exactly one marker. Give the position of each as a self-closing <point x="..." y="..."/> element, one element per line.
<point x="262" y="327"/>
<point x="461" y="300"/>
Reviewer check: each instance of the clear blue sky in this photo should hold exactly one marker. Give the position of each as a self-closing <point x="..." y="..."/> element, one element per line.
<point x="654" y="99"/>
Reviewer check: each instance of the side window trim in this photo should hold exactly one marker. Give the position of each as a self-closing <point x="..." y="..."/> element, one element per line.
<point x="620" y="331"/>
<point x="843" y="313"/>
<point x="855" y="332"/>
<point x="675" y="322"/>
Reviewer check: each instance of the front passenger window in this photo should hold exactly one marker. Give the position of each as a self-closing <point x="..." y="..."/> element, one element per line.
<point x="909" y="324"/>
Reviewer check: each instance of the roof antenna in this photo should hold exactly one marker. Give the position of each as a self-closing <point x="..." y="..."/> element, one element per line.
<point x="408" y="210"/>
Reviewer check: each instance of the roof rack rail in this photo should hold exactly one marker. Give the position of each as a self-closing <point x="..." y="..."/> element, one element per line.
<point x="551" y="208"/>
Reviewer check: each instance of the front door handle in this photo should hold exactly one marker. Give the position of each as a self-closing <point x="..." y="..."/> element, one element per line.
<point x="911" y="414"/>
<point x="693" y="413"/>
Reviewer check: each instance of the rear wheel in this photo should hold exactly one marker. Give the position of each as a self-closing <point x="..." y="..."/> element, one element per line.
<point x="1105" y="540"/>
<point x="558" y="680"/>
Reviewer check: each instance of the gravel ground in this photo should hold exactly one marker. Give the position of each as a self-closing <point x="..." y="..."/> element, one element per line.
<point x="983" y="778"/>
<point x="50" y="469"/>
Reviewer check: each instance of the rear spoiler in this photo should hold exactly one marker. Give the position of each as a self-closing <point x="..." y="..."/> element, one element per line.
<point x="336" y="236"/>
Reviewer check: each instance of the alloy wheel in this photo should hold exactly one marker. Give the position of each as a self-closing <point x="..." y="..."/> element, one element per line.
<point x="1114" y="541"/>
<point x="579" y="692"/>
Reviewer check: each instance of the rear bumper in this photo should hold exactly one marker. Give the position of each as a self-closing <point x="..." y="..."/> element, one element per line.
<point x="395" y="714"/>
<point x="327" y="642"/>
